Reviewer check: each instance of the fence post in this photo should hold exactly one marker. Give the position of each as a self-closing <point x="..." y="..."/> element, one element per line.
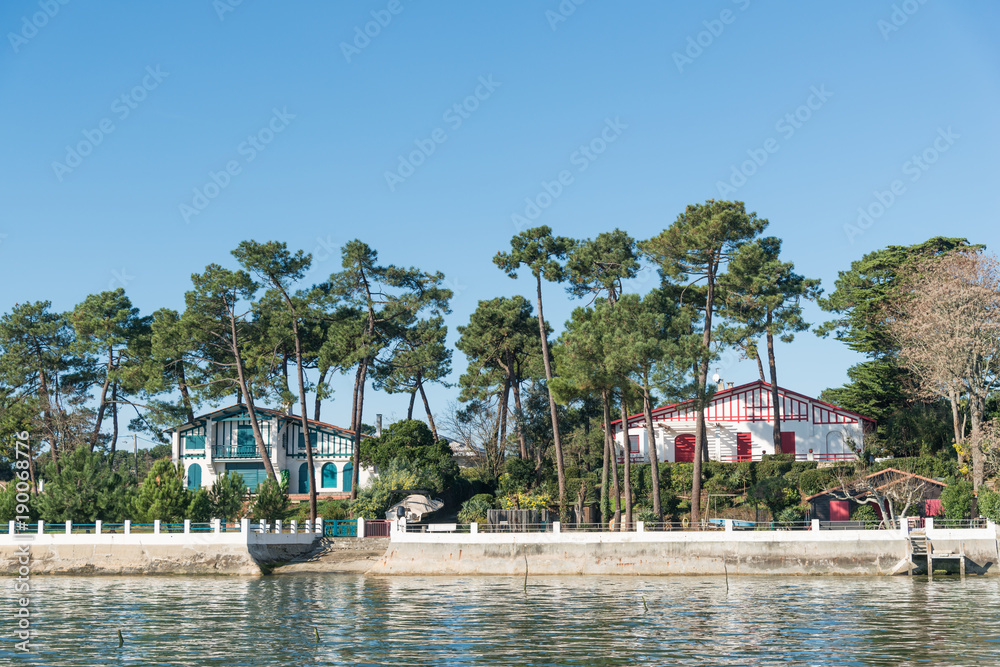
<point x="814" y="524"/>
<point x="10" y="527"/>
<point x="929" y="523"/>
<point x="473" y="528"/>
<point x="156" y="526"/>
<point x="319" y="525"/>
<point x="128" y="526"/>
<point x="260" y="527"/>
<point x="277" y="526"/>
<point x="216" y="526"/>
<point x="245" y="526"/>
<point x="293" y="528"/>
<point x="41" y="527"/>
<point x="187" y="526"/>
<point x="361" y="526"/>
<point x="69" y="527"/>
<point x="728" y="525"/>
<point x="556" y="527"/>
<point x="97" y="526"/>
<point x="640" y="526"/>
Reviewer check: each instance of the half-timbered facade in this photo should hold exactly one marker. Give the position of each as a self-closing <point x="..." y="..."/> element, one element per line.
<point x="223" y="440"/>
<point x="740" y="427"/>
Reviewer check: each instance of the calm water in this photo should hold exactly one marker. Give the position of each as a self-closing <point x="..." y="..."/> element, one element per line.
<point x="492" y="621"/>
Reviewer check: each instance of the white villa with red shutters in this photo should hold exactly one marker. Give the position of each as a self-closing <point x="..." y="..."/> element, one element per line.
<point x="740" y="427"/>
<point x="222" y="440"/>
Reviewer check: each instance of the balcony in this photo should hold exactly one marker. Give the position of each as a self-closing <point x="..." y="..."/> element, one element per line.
<point x="241" y="451"/>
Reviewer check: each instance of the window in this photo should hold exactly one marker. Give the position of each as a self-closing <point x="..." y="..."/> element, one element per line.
<point x="313" y="439"/>
<point x="245" y="443"/>
<point x="194" y="476"/>
<point x="633" y="444"/>
<point x="196" y="442"/>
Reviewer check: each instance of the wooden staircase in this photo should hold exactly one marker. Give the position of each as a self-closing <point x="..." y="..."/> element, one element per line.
<point x="918" y="549"/>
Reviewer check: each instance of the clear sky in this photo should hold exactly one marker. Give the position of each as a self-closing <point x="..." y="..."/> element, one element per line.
<point x="119" y="121"/>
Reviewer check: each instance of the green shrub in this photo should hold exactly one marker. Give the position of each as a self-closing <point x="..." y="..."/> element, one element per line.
<point x="200" y="509"/>
<point x="8" y="503"/>
<point x="381" y="492"/>
<point x="956" y="499"/>
<point x="520" y="474"/>
<point x="791" y="514"/>
<point x="474" y="509"/>
<point x="644" y="513"/>
<point x="226" y="496"/>
<point x="815" y="481"/>
<point x="680" y="477"/>
<point x="86" y="488"/>
<point x="989" y="505"/>
<point x="865" y="513"/>
<point x="271" y="501"/>
<point x="162" y="495"/>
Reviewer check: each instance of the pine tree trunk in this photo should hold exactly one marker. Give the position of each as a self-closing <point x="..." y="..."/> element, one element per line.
<point x="427" y="408"/>
<point x="356" y="461"/>
<point x="560" y="471"/>
<point x="319" y="389"/>
<point x="183" y="388"/>
<point x="654" y="462"/>
<point x="304" y="420"/>
<point x="610" y="439"/>
<point x="102" y="402"/>
<point x="504" y="416"/>
<point x="519" y="421"/>
<point x="626" y="446"/>
<point x="775" y="398"/>
<point x="413" y="399"/>
<point x="114" y="422"/>
<point x="702" y="394"/>
<point x="248" y="398"/>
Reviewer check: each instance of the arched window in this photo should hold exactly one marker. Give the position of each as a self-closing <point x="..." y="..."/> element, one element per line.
<point x="304" y="478"/>
<point x="194" y="476"/>
<point x="329" y="476"/>
<point x="348" y="472"/>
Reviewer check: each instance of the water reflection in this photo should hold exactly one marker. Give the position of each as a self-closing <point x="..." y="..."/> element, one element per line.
<point x="492" y="620"/>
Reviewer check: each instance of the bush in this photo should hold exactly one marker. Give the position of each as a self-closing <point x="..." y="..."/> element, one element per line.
<point x="8" y="503"/>
<point x="162" y="495"/>
<point x="200" y="509"/>
<point x="680" y="477"/>
<point x="644" y="513"/>
<point x="956" y="500"/>
<point x="865" y="513"/>
<point x="226" y="496"/>
<point x="815" y="481"/>
<point x="989" y="505"/>
<point x="86" y="489"/>
<point x="519" y="474"/>
<point x="792" y="514"/>
<point x="526" y="501"/>
<point x="271" y="501"/>
<point x="474" y="509"/>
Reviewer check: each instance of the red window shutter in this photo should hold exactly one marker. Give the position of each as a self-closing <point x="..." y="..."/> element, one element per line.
<point x="840" y="510"/>
<point x="932" y="507"/>
<point x="787" y="442"/>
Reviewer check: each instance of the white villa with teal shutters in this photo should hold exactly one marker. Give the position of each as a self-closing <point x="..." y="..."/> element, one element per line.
<point x="223" y="440"/>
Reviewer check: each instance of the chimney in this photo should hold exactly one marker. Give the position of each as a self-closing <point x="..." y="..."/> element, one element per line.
<point x="730" y="385"/>
<point x="378" y="425"/>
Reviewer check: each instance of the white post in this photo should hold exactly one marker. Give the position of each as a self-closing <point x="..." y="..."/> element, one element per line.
<point x="401" y="525"/>
<point x="556" y="527"/>
<point x="10" y="527"/>
<point x="473" y="528"/>
<point x="245" y="526"/>
<point x="293" y="527"/>
<point x="640" y="526"/>
<point x="97" y="526"/>
<point x="187" y="526"/>
<point x="728" y="523"/>
<point x="361" y="526"/>
<point x="814" y="524"/>
<point x="929" y="523"/>
<point x="156" y="526"/>
<point x="216" y="526"/>
<point x="128" y="526"/>
<point x="261" y="528"/>
<point x="319" y="525"/>
<point x="41" y="527"/>
<point x="277" y="526"/>
<point x="69" y="527"/>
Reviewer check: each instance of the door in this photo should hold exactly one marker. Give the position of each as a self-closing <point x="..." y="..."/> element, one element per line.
<point x="684" y="448"/>
<point x="329" y="476"/>
<point x="246" y="445"/>
<point x="194" y="476"/>
<point x="744" y="447"/>
<point x="304" y="478"/>
<point x="932" y="507"/>
<point x="840" y="510"/>
<point x="787" y="442"/>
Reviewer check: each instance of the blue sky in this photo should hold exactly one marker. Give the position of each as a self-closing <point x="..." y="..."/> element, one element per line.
<point x="806" y="112"/>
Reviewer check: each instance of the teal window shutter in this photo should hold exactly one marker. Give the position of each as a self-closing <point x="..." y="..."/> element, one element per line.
<point x="194" y="442"/>
<point x="329" y="476"/>
<point x="245" y="443"/>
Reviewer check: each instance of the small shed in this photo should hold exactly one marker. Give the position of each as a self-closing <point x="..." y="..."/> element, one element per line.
<point x="830" y="505"/>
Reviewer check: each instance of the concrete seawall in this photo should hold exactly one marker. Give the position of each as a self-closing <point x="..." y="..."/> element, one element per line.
<point x="148" y="553"/>
<point x="835" y="552"/>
